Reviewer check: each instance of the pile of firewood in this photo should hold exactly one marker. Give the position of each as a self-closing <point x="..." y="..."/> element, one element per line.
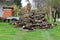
<point x="33" y="21"/>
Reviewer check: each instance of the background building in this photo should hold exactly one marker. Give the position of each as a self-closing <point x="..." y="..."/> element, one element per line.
<point x="4" y="3"/>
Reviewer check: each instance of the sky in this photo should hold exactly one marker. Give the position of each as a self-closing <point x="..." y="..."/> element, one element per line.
<point x="24" y="2"/>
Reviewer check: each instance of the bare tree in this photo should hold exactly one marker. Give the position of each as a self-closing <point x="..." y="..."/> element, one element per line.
<point x="38" y="3"/>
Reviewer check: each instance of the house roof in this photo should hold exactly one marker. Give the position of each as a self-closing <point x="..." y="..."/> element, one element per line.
<point x="7" y="7"/>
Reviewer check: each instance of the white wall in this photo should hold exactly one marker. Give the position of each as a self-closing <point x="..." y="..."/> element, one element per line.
<point x="1" y="10"/>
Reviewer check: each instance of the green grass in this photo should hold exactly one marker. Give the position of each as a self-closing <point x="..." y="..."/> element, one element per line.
<point x="8" y="32"/>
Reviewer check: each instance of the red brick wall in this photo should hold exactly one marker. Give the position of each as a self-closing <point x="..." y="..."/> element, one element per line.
<point x="7" y="13"/>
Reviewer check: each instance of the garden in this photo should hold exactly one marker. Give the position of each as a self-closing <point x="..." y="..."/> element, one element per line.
<point x="8" y="32"/>
<point x="40" y="21"/>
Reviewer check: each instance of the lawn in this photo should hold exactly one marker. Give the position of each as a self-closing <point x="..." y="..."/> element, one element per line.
<point x="8" y="32"/>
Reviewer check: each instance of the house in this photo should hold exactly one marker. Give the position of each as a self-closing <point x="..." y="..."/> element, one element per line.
<point x="4" y="12"/>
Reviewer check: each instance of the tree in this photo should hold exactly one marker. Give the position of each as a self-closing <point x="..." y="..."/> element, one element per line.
<point x="54" y="2"/>
<point x="16" y="6"/>
<point x="17" y="2"/>
<point x="56" y="5"/>
<point x="39" y="3"/>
